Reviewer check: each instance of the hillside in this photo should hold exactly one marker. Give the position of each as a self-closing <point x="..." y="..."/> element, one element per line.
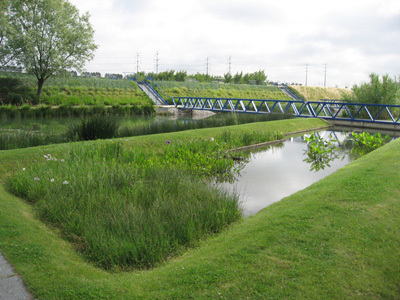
<point x="314" y="93"/>
<point x="213" y="90"/>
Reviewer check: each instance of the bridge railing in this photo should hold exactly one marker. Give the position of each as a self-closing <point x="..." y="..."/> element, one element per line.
<point x="334" y="110"/>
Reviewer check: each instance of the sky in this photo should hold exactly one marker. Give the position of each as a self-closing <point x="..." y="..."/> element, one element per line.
<point x="309" y="42"/>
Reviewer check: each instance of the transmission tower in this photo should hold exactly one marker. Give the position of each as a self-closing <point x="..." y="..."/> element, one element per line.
<point x="137" y="62"/>
<point x="306" y="73"/>
<point x="157" y="62"/>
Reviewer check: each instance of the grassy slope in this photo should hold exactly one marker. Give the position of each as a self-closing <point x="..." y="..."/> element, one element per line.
<point x="243" y="91"/>
<point x="81" y="90"/>
<point x="313" y="93"/>
<point x="338" y="238"/>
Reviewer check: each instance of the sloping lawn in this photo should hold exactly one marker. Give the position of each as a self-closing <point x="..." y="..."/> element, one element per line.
<point x="337" y="239"/>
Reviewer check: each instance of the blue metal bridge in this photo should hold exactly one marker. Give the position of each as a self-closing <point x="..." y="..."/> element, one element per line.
<point x="326" y="109"/>
<point x="334" y="111"/>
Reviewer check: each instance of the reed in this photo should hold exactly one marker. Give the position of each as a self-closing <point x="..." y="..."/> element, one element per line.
<point x="119" y="210"/>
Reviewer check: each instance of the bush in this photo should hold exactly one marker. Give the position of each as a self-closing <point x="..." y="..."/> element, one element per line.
<point x="94" y="127"/>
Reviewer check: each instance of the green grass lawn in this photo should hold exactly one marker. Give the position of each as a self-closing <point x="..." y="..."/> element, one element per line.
<point x="337" y="239"/>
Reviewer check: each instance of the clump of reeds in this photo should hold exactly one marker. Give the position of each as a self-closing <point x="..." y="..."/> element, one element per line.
<point x="120" y="210"/>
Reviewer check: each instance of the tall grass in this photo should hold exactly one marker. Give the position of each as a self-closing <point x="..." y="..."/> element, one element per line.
<point x="14" y="139"/>
<point x="93" y="128"/>
<point x="120" y="211"/>
<point x="218" y="120"/>
<point x="103" y="125"/>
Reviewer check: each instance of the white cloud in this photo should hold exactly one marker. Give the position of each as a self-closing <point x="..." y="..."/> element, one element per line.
<point x="353" y="38"/>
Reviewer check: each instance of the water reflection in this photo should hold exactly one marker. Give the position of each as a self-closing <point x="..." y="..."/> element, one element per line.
<point x="322" y="150"/>
<point x="281" y="170"/>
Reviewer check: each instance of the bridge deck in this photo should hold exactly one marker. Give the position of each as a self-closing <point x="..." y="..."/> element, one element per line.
<point x="331" y="110"/>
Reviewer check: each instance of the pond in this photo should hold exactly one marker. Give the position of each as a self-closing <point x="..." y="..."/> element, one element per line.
<point x="280" y="170"/>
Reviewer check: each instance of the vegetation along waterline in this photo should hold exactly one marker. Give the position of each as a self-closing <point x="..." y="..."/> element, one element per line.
<point x="21" y="133"/>
<point x="322" y="242"/>
<point x="126" y="208"/>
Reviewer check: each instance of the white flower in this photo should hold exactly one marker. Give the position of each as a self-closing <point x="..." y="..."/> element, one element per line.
<point x="52" y="180"/>
<point x="23" y="169"/>
<point x="65" y="182"/>
<point x="62" y="160"/>
<point x="212" y="139"/>
<point x="36" y="179"/>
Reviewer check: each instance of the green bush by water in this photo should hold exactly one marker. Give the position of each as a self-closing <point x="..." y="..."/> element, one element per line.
<point x="93" y="128"/>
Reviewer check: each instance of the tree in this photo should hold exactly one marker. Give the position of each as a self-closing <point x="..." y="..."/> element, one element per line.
<point x="259" y="77"/>
<point x="377" y="91"/>
<point x="6" y="55"/>
<point x="180" y="76"/>
<point x="49" y="37"/>
<point x="385" y="91"/>
<point x="238" y="78"/>
<point x="228" y="78"/>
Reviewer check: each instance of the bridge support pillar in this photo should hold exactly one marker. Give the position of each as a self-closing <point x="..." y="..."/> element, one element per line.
<point x="172" y="110"/>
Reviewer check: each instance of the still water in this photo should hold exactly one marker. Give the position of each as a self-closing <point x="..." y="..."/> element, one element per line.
<point x="276" y="172"/>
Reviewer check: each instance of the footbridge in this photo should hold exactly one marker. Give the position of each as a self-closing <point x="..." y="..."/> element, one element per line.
<point x="376" y="116"/>
<point x="146" y="85"/>
<point x="335" y="111"/>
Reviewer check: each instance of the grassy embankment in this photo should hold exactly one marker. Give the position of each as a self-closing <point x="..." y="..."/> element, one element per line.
<point x="336" y="239"/>
<point x="215" y="90"/>
<point x="70" y="96"/>
<point x="313" y="93"/>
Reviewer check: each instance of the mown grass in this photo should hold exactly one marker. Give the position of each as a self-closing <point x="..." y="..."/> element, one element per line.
<point x="337" y="239"/>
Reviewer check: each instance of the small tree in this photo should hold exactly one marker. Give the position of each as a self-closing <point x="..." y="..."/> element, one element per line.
<point x="49" y="37"/>
<point x="259" y="77"/>
<point x="228" y="78"/>
<point x="238" y="78"/>
<point x="180" y="76"/>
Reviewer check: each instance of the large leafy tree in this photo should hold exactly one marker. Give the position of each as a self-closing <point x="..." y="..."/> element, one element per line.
<point x="6" y="55"/>
<point x="49" y="37"/>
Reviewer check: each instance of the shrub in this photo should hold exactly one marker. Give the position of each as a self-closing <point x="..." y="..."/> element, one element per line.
<point x="94" y="127"/>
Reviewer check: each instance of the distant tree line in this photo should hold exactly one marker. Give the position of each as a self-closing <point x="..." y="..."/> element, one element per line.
<point x="257" y="78"/>
<point x="91" y="74"/>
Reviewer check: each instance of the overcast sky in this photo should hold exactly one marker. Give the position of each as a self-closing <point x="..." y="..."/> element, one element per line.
<point x="290" y="40"/>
